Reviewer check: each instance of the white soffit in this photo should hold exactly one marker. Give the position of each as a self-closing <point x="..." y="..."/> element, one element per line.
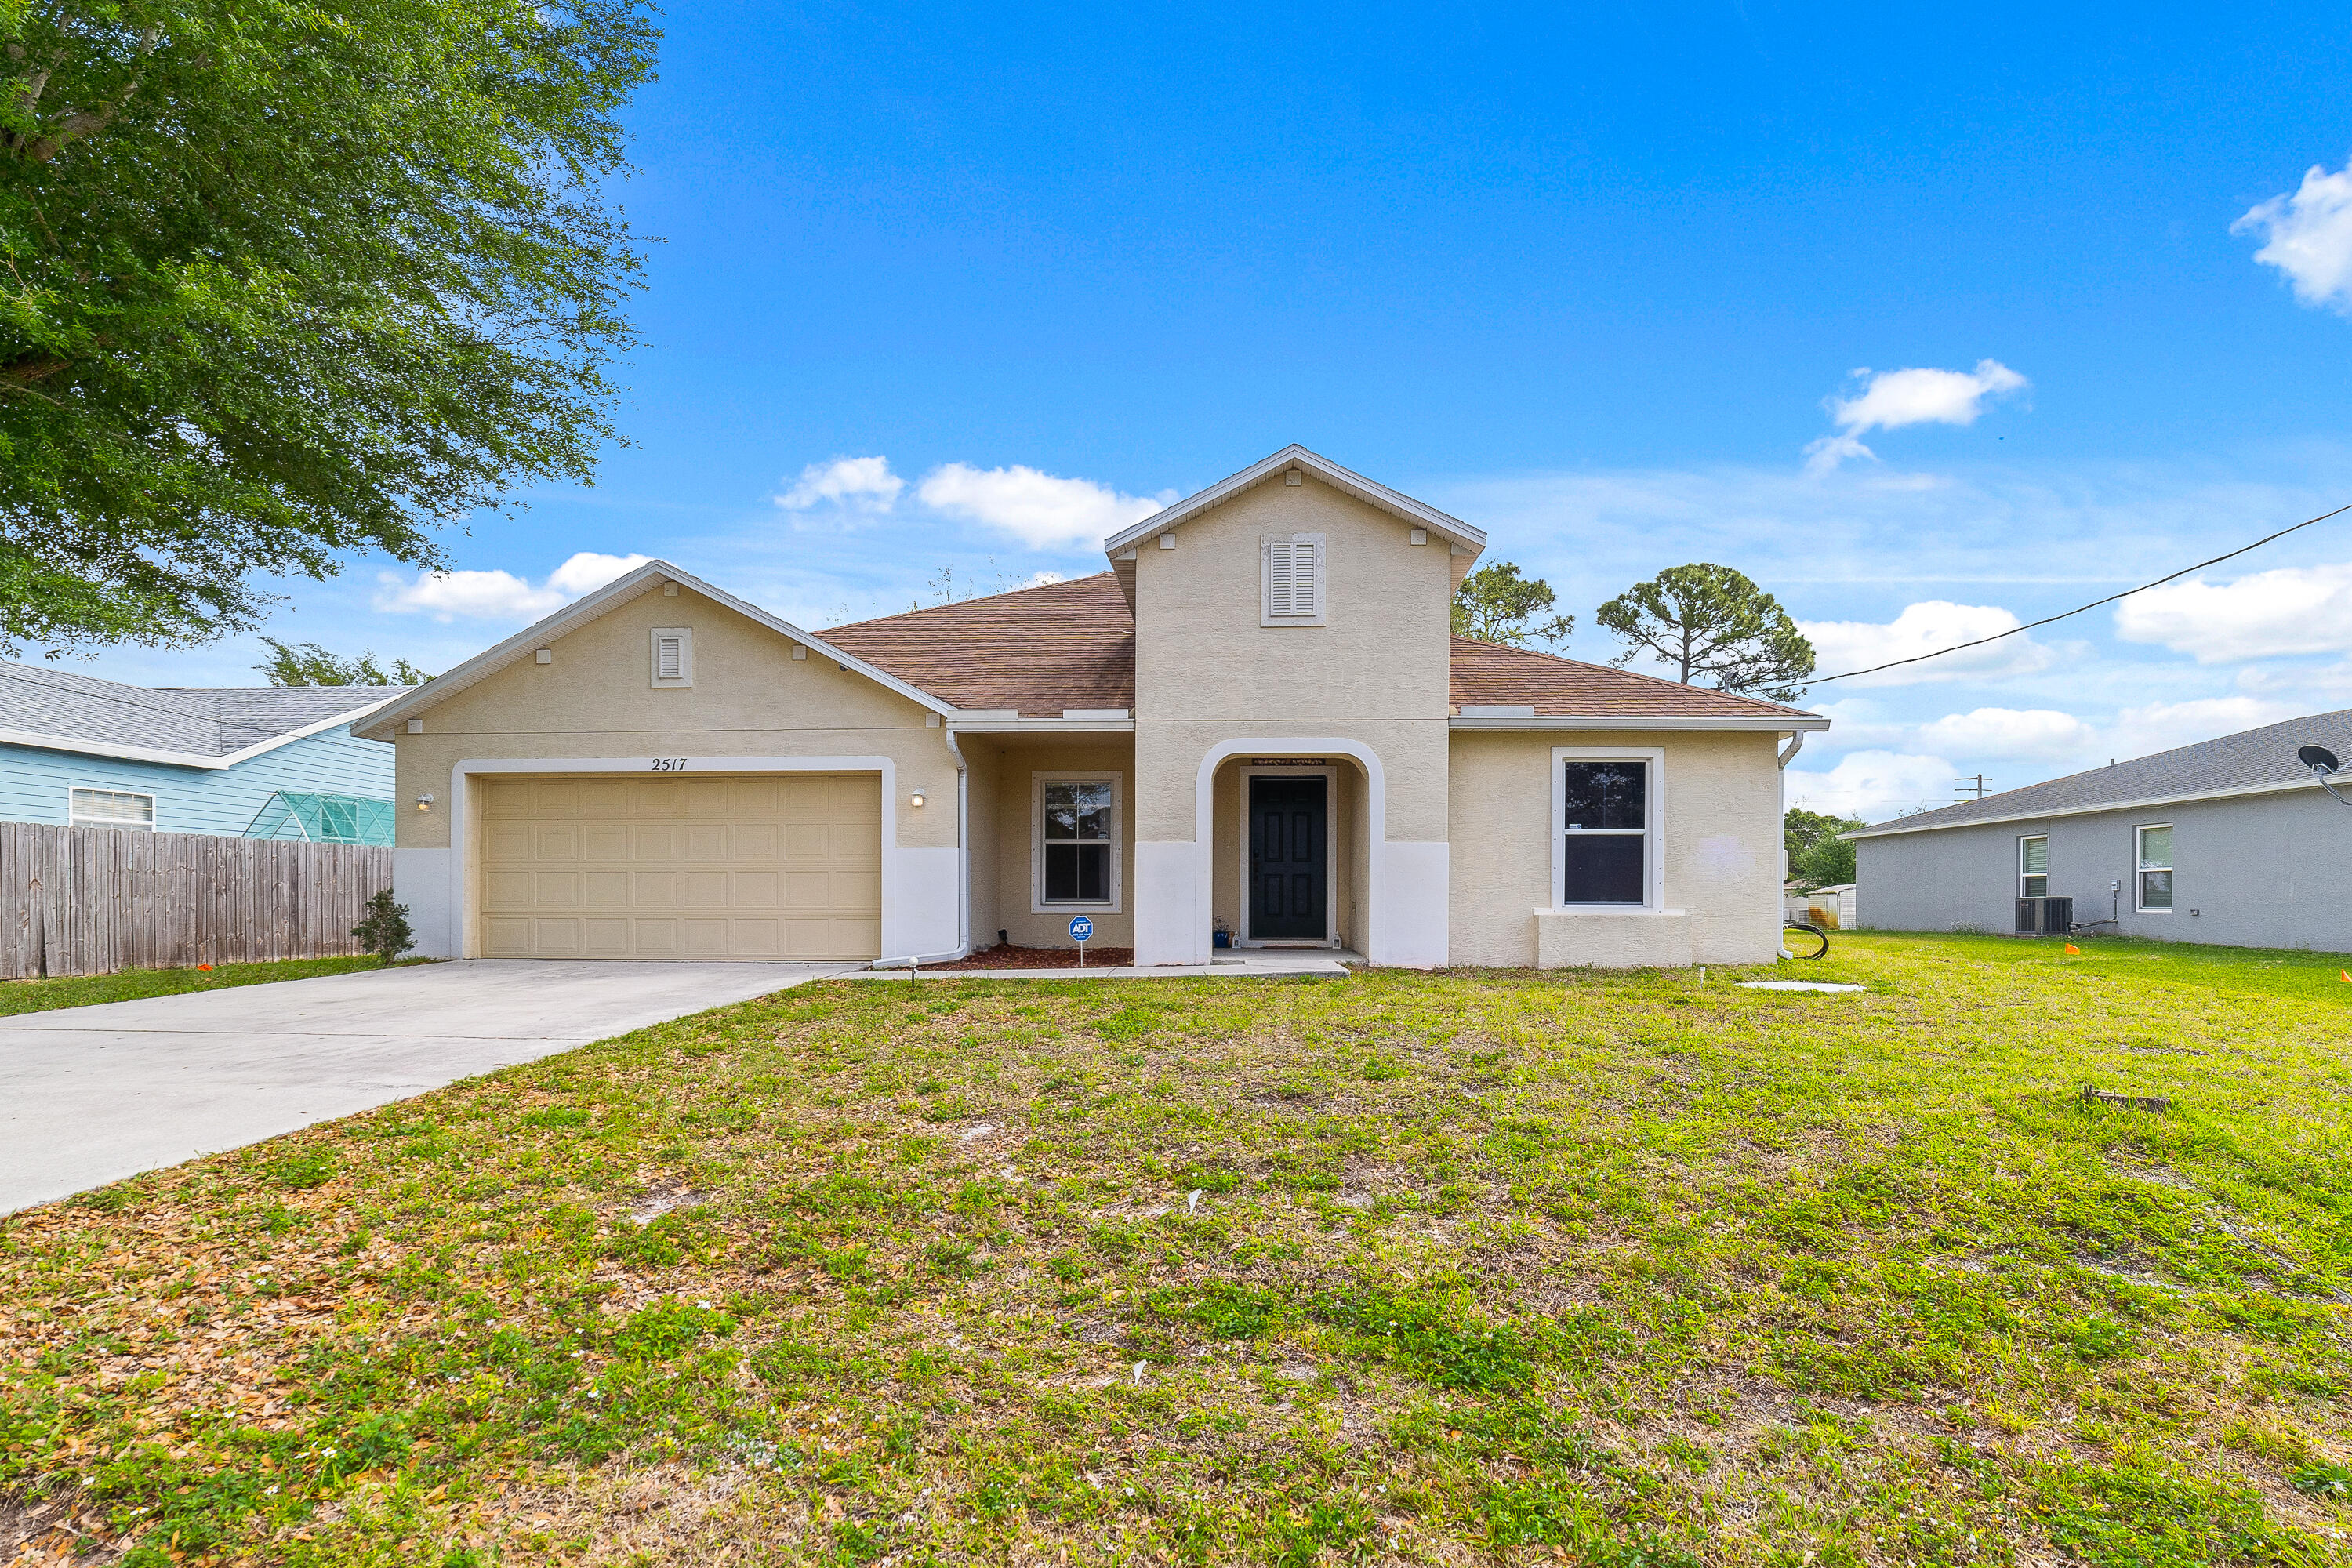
<point x="527" y="642"/>
<point x="1453" y="530"/>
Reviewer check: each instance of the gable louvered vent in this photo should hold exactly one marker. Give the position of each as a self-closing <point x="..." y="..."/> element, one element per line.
<point x="673" y="656"/>
<point x="1293" y="575"/>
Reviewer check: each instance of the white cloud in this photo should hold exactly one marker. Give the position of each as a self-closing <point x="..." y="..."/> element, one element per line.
<point x="1925" y="628"/>
<point x="2042" y="732"/>
<point x="1894" y="398"/>
<point x="2308" y="237"/>
<point x="498" y="595"/>
<point x="1873" y="785"/>
<point x="854" y="484"/>
<point x="2270" y="614"/>
<point x="1041" y="510"/>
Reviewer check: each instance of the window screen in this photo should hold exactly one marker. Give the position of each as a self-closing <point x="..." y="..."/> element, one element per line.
<point x="1076" y="832"/>
<point x="2033" y="867"/>
<point x="2156" y="867"/>
<point x="112" y="808"/>
<point x="1605" y="837"/>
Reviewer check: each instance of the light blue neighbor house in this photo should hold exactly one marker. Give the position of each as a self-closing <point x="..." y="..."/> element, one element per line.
<point x="268" y="762"/>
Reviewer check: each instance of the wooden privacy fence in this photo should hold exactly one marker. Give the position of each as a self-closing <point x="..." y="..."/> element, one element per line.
<point x="90" y="900"/>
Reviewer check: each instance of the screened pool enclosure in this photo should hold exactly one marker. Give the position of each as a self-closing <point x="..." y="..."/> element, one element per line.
<point x="322" y="819"/>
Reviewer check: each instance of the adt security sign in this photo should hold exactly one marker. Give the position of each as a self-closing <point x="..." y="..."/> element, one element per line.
<point x="1081" y="929"/>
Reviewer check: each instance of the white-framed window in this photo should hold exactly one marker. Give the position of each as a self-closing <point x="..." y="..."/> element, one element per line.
<point x="2033" y="866"/>
<point x="1290" y="580"/>
<point x="2154" y="872"/>
<point x="110" y="808"/>
<point x="1075" y="831"/>
<point x="1608" y="819"/>
<point x="673" y="652"/>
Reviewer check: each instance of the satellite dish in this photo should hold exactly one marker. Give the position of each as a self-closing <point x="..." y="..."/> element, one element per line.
<point x="2318" y="757"/>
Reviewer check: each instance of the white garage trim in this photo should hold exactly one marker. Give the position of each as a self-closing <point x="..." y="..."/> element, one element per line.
<point x="900" y="922"/>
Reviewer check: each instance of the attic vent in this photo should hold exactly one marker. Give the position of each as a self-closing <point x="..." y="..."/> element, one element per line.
<point x="1293" y="576"/>
<point x="673" y="656"/>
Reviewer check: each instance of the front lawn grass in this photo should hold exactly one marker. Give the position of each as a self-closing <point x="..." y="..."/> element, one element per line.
<point x="2269" y="971"/>
<point x="1464" y="1269"/>
<point x="129" y="985"/>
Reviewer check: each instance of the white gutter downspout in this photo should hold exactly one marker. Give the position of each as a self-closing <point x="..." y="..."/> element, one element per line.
<point x="1796" y="744"/>
<point x="964" y="845"/>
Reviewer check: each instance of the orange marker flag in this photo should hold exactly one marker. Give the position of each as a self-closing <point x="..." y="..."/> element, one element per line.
<point x="2347" y="973"/>
<point x="2072" y="950"/>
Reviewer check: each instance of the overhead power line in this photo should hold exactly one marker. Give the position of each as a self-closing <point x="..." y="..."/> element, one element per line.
<point x="2127" y="593"/>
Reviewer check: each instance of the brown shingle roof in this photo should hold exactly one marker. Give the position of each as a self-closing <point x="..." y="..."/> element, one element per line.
<point x="1487" y="673"/>
<point x="1072" y="645"/>
<point x="1065" y="644"/>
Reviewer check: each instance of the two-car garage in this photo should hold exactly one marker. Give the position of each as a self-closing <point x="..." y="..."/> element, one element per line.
<point x="774" y="866"/>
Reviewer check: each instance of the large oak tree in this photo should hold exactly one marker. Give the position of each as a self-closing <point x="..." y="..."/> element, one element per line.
<point x="280" y="281"/>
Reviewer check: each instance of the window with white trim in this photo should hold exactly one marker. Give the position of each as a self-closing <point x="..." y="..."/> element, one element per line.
<point x="2033" y="867"/>
<point x="1605" y="826"/>
<point x="1077" y="841"/>
<point x="110" y="808"/>
<point x="1290" y="578"/>
<point x="673" y="656"/>
<point x="2153" y="871"/>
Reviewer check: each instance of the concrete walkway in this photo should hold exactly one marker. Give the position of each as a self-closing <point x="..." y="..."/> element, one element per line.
<point x="1239" y="964"/>
<point x="90" y="1095"/>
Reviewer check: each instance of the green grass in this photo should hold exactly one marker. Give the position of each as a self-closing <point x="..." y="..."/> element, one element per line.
<point x="125" y="985"/>
<point x="2264" y="971"/>
<point x="1483" y="1268"/>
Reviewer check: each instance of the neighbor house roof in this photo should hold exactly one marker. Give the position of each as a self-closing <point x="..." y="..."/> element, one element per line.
<point x="209" y="727"/>
<point x="2252" y="762"/>
<point x="1042" y="651"/>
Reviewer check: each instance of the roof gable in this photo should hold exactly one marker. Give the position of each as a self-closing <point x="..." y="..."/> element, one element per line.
<point x="1453" y="530"/>
<point x="588" y="607"/>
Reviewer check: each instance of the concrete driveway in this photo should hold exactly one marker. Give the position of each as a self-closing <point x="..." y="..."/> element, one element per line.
<point x="90" y="1095"/>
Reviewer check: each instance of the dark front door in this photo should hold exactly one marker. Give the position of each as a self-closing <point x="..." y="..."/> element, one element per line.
<point x="1290" y="860"/>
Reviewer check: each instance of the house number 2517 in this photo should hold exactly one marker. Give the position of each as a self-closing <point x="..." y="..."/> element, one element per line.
<point x="669" y="765"/>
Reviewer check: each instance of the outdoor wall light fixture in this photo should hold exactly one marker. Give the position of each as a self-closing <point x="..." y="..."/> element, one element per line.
<point x="2322" y="762"/>
<point x="424" y="803"/>
<point x="918" y="798"/>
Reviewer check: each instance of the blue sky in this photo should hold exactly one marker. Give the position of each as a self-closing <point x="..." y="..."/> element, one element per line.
<point x="1621" y="287"/>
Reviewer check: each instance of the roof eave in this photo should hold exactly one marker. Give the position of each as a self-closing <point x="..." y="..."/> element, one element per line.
<point x="2140" y="803"/>
<point x="1769" y="723"/>
<point x="1453" y="530"/>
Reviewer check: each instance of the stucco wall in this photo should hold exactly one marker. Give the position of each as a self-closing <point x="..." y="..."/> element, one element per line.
<point x="750" y="698"/>
<point x="1722" y="826"/>
<point x="1376" y="674"/>
<point x="1010" y="846"/>
<point x="2266" y="870"/>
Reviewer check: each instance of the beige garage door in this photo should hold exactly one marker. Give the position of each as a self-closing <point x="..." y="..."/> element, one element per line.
<point x="698" y="865"/>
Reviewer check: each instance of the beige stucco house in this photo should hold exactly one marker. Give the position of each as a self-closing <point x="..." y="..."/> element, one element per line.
<point x="1256" y="721"/>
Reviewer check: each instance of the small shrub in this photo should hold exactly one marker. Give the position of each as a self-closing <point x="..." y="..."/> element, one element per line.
<point x="384" y="930"/>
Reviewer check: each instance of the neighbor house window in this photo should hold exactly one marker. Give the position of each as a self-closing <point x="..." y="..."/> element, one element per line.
<point x="1290" y="580"/>
<point x="1605" y="826"/>
<point x="112" y="808"/>
<point x="2033" y="867"/>
<point x="2156" y="866"/>
<point x="1077" y="841"/>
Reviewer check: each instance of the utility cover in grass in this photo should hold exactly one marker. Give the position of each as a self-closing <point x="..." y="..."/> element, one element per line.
<point x="1796" y="986"/>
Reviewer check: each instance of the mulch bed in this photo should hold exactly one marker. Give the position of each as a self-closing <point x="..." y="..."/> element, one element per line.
<point x="1008" y="956"/>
